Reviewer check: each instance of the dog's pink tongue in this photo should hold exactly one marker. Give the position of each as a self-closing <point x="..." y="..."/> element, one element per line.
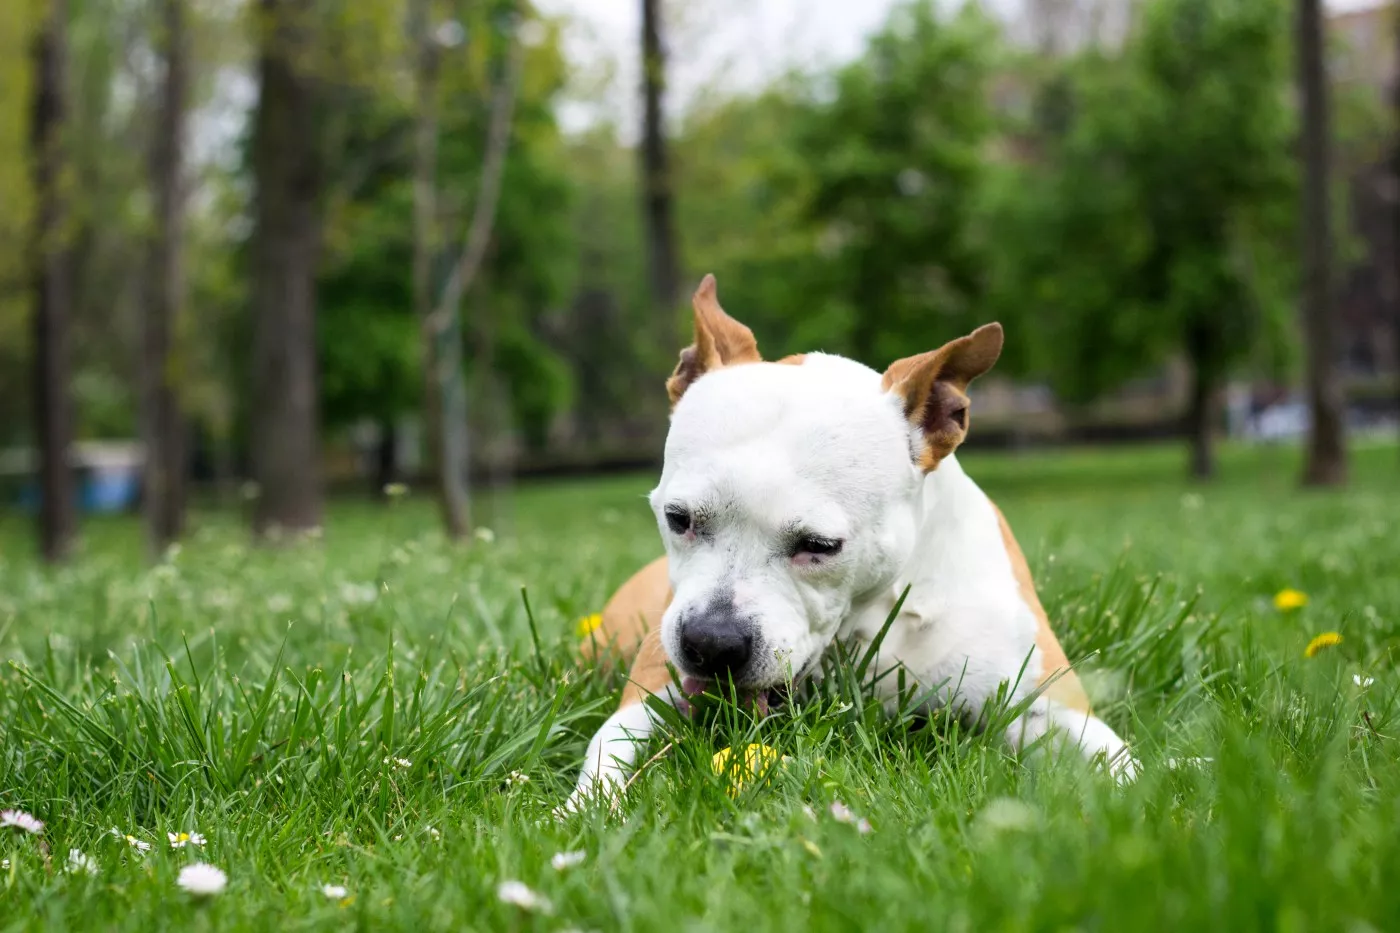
<point x="694" y="686"/>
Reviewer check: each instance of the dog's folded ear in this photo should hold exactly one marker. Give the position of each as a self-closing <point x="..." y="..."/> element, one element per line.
<point x="933" y="389"/>
<point x="719" y="341"/>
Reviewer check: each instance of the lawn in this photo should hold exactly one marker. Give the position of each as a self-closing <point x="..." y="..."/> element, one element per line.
<point x="372" y="711"/>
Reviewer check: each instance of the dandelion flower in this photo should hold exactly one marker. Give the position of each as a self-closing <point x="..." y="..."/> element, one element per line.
<point x="519" y="894"/>
<point x="588" y="624"/>
<point x="21" y="821"/>
<point x="1287" y="599"/>
<point x="1362" y="682"/>
<point x="180" y="840"/>
<point x="80" y="863"/>
<point x="758" y="759"/>
<point x="563" y="860"/>
<point x="395" y="490"/>
<point x="336" y="892"/>
<point x="202" y="879"/>
<point x="1325" y="640"/>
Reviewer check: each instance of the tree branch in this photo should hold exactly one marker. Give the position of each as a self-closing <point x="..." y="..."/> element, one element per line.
<point x="468" y="264"/>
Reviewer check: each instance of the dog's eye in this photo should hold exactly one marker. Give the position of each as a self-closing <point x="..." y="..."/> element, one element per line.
<point x="678" y="519"/>
<point x="821" y="547"/>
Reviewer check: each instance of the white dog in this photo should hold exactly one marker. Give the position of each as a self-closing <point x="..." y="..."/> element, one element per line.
<point x="797" y="502"/>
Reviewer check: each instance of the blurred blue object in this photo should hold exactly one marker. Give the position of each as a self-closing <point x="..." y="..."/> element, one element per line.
<point x="108" y="478"/>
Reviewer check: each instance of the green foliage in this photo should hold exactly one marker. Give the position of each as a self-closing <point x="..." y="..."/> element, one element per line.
<point x="16" y="193"/>
<point x="370" y="711"/>
<point x="368" y="337"/>
<point x="896" y="158"/>
<point x="1160" y="219"/>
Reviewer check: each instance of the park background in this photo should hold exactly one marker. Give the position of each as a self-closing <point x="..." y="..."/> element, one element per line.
<point x="366" y="309"/>
<point x="282" y="249"/>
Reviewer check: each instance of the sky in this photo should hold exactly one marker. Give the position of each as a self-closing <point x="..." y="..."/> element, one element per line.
<point x="718" y="45"/>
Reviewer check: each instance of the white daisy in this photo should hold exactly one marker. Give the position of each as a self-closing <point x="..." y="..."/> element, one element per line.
<point x="180" y="840"/>
<point x="842" y="814"/>
<point x="563" y="860"/>
<point x="202" y="879"/>
<point x="80" y="863"/>
<point x="432" y="832"/>
<point x="519" y="894"/>
<point x="1362" y="682"/>
<point x="24" y="822"/>
<point x="137" y="844"/>
<point x="5" y="865"/>
<point x="335" y="892"/>
<point x="516" y="778"/>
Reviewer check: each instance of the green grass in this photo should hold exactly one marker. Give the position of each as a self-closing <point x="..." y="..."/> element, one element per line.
<point x="255" y="695"/>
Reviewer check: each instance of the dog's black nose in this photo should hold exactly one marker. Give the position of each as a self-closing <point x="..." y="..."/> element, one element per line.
<point x="715" y="644"/>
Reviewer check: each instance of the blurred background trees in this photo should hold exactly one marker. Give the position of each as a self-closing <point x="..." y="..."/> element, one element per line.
<point x="315" y="244"/>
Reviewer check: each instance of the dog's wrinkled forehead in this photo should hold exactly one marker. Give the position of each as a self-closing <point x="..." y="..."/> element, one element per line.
<point x="825" y="426"/>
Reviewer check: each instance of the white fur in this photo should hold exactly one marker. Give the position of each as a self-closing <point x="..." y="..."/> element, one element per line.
<point x="612" y="752"/>
<point x="760" y="449"/>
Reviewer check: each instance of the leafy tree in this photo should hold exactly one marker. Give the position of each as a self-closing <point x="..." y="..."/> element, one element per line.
<point x="368" y="333"/>
<point x="896" y="158"/>
<point x="1160" y="222"/>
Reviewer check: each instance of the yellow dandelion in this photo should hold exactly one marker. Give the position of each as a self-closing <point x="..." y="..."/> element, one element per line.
<point x="758" y="759"/>
<point x="588" y="624"/>
<point x="1325" y="640"/>
<point x="1288" y="599"/>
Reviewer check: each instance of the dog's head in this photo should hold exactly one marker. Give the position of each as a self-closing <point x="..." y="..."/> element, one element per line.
<point x="791" y="491"/>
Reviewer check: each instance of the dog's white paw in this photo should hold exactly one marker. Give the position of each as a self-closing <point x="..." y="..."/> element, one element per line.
<point x="1123" y="766"/>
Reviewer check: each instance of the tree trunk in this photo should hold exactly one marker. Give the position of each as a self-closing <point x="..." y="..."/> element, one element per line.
<point x="443" y="326"/>
<point x="53" y="407"/>
<point x="1200" y="421"/>
<point x="286" y="241"/>
<point x="425" y="245"/>
<point x="386" y="458"/>
<point x="1326" y="463"/>
<point x="663" y="272"/>
<point x="1394" y="202"/>
<point x="439" y="395"/>
<point x="162" y="421"/>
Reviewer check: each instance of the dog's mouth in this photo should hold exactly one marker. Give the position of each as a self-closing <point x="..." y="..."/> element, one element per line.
<point x="762" y="701"/>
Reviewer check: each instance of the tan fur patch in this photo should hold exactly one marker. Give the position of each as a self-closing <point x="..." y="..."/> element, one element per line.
<point x="633" y="611"/>
<point x="796" y="359"/>
<point x="649" y="672"/>
<point x="1067" y="688"/>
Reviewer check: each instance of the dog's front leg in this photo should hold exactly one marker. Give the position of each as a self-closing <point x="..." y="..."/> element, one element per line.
<point x="612" y="752"/>
<point x="1090" y="734"/>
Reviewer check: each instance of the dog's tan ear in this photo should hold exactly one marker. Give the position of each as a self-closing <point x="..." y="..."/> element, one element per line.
<point x="719" y="341"/>
<point x="933" y="388"/>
